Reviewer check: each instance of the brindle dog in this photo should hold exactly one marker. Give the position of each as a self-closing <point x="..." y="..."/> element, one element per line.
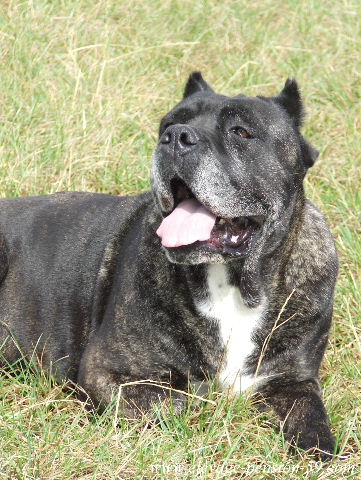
<point x="223" y="270"/>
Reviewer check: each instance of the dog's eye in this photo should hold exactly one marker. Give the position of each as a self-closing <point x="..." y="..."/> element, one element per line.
<point x="241" y="132"/>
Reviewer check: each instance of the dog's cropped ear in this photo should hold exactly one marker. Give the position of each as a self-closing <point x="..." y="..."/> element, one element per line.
<point x="290" y="100"/>
<point x="196" y="84"/>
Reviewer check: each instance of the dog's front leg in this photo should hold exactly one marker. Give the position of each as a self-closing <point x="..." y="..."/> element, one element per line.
<point x="134" y="395"/>
<point x="302" y="413"/>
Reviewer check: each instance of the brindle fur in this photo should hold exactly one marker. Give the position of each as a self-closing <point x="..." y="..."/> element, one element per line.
<point x="85" y="281"/>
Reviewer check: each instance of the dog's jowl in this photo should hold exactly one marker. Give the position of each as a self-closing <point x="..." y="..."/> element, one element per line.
<point x="223" y="270"/>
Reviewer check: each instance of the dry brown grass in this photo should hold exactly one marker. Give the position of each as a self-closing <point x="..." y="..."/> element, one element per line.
<point x="83" y="86"/>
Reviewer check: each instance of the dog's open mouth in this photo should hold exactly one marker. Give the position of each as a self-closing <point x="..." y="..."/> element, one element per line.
<point x="232" y="233"/>
<point x="192" y="222"/>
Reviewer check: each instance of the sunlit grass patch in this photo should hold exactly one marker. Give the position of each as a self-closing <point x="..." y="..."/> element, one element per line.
<point x="83" y="86"/>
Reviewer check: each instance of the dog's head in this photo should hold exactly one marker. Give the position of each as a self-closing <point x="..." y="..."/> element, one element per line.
<point x="227" y="171"/>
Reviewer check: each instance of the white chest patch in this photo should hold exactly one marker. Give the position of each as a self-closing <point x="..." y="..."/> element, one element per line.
<point x="236" y="323"/>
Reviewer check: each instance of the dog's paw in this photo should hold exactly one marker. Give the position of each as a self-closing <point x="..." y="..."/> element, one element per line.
<point x="318" y="443"/>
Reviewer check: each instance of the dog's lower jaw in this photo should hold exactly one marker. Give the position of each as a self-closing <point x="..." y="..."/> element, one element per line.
<point x="191" y="255"/>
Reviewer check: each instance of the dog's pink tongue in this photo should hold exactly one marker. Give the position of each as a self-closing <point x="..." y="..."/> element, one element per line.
<point x="188" y="223"/>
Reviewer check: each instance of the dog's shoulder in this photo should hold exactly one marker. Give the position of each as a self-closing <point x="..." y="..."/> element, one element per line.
<point x="68" y="226"/>
<point x="313" y="257"/>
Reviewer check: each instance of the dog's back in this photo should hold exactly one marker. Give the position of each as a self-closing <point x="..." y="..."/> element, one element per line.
<point x="51" y="251"/>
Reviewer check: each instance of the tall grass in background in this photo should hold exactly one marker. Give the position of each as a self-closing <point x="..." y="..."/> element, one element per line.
<point x="83" y="86"/>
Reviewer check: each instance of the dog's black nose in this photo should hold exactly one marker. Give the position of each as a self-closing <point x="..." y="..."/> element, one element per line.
<point x="179" y="138"/>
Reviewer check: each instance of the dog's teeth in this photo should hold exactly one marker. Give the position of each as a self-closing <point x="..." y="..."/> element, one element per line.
<point x="222" y="221"/>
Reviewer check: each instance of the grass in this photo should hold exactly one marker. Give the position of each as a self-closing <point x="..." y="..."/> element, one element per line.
<point x="83" y="86"/>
